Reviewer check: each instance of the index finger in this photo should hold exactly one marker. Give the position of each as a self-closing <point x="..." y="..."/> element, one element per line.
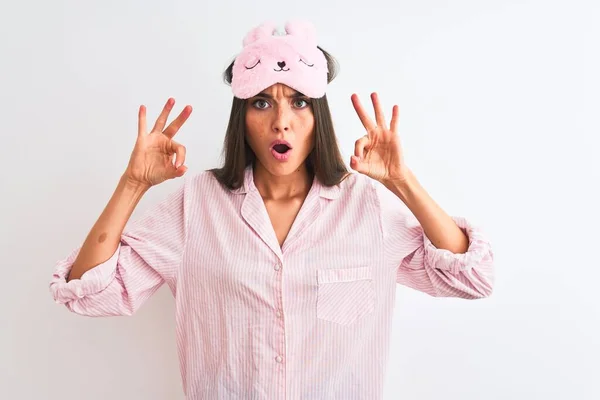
<point x="364" y="118"/>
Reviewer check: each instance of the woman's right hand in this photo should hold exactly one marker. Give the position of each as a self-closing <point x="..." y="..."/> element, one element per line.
<point x="151" y="161"/>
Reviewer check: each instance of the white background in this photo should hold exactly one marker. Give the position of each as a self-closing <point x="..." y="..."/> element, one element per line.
<point x="499" y="118"/>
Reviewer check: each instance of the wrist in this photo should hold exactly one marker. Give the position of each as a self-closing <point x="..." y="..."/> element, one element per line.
<point x="133" y="185"/>
<point x="404" y="188"/>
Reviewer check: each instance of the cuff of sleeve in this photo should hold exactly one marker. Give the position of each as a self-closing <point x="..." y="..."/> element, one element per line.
<point x="92" y="281"/>
<point x="478" y="250"/>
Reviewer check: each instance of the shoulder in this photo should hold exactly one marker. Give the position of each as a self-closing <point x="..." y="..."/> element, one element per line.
<point x="387" y="202"/>
<point x="199" y="179"/>
<point x="354" y="181"/>
<point x="359" y="188"/>
<point x="195" y="185"/>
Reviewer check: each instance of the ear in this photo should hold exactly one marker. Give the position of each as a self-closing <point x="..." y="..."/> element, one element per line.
<point x="303" y="29"/>
<point x="262" y="31"/>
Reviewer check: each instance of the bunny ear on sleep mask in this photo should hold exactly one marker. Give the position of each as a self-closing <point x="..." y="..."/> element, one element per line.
<point x="292" y="59"/>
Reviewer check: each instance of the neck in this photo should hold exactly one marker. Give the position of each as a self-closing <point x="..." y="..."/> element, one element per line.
<point x="282" y="187"/>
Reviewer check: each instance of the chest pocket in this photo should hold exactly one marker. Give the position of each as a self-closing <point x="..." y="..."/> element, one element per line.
<point x="344" y="295"/>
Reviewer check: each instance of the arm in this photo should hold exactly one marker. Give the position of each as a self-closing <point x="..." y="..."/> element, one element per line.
<point x="438" y="226"/>
<point x="460" y="263"/>
<point x="104" y="238"/>
<point x="437" y="254"/>
<point x="147" y="253"/>
<point x="119" y="267"/>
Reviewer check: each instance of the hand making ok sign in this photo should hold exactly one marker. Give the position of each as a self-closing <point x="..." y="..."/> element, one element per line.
<point x="378" y="154"/>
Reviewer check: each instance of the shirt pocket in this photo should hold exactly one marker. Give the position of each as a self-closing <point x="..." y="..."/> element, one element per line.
<point x="344" y="295"/>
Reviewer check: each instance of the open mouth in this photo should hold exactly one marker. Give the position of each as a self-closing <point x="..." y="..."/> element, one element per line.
<point x="281" y="148"/>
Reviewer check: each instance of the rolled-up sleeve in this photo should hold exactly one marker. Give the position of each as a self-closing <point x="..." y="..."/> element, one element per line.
<point x="426" y="268"/>
<point x="148" y="254"/>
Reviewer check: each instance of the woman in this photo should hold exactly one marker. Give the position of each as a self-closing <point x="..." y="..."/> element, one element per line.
<point x="283" y="264"/>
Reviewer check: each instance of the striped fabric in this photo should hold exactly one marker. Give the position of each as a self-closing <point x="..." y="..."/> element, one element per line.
<point x="308" y="320"/>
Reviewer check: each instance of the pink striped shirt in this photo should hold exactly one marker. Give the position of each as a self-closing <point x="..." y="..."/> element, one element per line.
<point x="309" y="320"/>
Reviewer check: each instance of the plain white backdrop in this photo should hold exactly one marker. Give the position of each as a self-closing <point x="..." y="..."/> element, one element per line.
<point x="499" y="118"/>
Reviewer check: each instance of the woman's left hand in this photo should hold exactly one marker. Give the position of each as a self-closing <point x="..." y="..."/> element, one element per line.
<point x="378" y="154"/>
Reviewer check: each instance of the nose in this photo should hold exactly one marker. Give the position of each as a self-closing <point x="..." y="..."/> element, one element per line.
<point x="281" y="123"/>
<point x="281" y="64"/>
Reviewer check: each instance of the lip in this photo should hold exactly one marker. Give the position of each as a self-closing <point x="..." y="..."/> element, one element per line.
<point x="281" y="157"/>
<point x="280" y="141"/>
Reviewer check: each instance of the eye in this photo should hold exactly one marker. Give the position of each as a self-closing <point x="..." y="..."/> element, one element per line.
<point x="301" y="103"/>
<point x="260" y="104"/>
<point x="310" y="65"/>
<point x="258" y="62"/>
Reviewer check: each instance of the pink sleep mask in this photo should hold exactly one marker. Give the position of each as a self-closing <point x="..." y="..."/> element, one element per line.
<point x="292" y="59"/>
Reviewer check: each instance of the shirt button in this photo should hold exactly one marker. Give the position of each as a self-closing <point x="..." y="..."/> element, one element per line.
<point x="278" y="359"/>
<point x="278" y="313"/>
<point x="277" y="267"/>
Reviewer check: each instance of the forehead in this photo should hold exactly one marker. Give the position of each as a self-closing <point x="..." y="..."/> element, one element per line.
<point x="281" y="90"/>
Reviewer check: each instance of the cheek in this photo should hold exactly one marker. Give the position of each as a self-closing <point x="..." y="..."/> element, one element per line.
<point x="254" y="124"/>
<point x="307" y="126"/>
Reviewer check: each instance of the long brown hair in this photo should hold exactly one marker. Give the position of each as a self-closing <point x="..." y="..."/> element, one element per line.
<point x="324" y="161"/>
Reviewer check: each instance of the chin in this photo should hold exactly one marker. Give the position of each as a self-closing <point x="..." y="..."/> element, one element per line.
<point x="278" y="168"/>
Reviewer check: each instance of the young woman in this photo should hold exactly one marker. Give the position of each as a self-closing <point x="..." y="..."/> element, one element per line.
<point x="283" y="264"/>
